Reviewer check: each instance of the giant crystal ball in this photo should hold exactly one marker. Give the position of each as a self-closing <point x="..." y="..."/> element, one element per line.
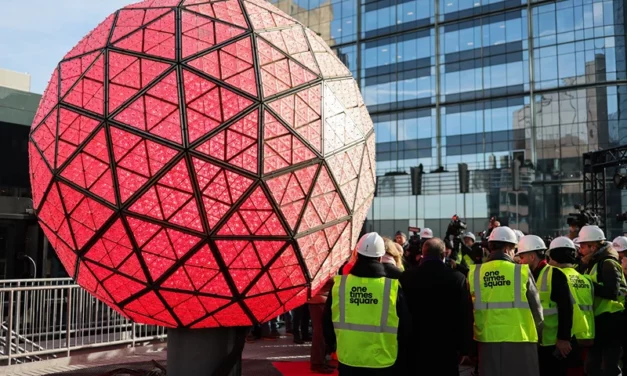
<point x="202" y="164"/>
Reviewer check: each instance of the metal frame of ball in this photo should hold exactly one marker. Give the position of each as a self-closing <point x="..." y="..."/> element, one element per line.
<point x="207" y="238"/>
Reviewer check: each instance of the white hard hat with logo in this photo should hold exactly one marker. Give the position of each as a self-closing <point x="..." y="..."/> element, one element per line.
<point x="426" y="233"/>
<point x="371" y="245"/>
<point x="470" y="235"/>
<point x="503" y="234"/>
<point x="591" y="234"/>
<point x="531" y="243"/>
<point x="620" y="244"/>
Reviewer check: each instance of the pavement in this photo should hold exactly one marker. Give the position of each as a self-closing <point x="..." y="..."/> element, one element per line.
<point x="263" y="358"/>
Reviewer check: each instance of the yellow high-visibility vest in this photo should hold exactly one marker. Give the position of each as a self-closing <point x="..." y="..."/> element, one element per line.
<point x="365" y="321"/>
<point x="582" y="291"/>
<point x="602" y="305"/>
<point x="501" y="309"/>
<point x="581" y="296"/>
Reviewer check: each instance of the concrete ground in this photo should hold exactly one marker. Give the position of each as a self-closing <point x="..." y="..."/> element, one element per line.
<point x="258" y="360"/>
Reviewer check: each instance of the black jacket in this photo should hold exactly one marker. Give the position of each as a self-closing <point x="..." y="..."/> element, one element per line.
<point x="392" y="271"/>
<point x="440" y="304"/>
<point x="370" y="268"/>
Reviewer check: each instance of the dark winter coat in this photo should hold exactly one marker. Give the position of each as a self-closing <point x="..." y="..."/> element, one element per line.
<point x="440" y="304"/>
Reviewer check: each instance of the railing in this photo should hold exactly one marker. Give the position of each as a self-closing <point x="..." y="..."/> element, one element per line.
<point x="47" y="318"/>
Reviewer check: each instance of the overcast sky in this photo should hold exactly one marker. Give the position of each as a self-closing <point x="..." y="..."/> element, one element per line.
<point x="36" y="34"/>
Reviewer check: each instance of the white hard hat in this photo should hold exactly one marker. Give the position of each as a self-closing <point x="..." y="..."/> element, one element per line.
<point x="591" y="234"/>
<point x="576" y="241"/>
<point x="620" y="244"/>
<point x="426" y="233"/>
<point x="562" y="242"/>
<point x="519" y="234"/>
<point x="470" y="235"/>
<point x="371" y="245"/>
<point x="530" y="243"/>
<point x="503" y="234"/>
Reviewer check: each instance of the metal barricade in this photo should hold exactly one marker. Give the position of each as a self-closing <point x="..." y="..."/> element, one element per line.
<point x="46" y="318"/>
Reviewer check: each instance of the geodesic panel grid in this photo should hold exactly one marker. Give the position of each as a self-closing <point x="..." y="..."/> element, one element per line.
<point x="202" y="163"/>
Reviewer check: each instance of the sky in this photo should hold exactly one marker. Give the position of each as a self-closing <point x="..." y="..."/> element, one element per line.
<point x="36" y="34"/>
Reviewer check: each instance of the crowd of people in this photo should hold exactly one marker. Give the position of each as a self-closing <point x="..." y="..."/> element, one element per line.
<point x="507" y="303"/>
<point x="511" y="305"/>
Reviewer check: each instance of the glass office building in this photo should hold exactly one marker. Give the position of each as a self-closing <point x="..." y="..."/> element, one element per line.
<point x="482" y="82"/>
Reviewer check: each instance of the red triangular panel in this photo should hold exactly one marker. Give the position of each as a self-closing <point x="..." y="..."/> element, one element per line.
<point x="314" y="248"/>
<point x="44" y="137"/>
<point x="209" y="105"/>
<point x="130" y="20"/>
<point x="150" y="305"/>
<point x="137" y="160"/>
<point x="262" y="306"/>
<point x="157" y="111"/>
<point x="220" y="189"/>
<point x="232" y="315"/>
<point x="186" y="307"/>
<point x="254" y="217"/>
<point x="73" y="131"/>
<point x="90" y="168"/>
<point x="227" y="11"/>
<point x="40" y="175"/>
<point x="73" y="69"/>
<point x="302" y="112"/>
<point x="286" y="271"/>
<point x="88" y="93"/>
<point x="237" y="144"/>
<point x="232" y="63"/>
<point x="282" y="149"/>
<point x="262" y="17"/>
<point x="129" y="74"/>
<point x="113" y="248"/>
<point x="290" y="191"/>
<point x="156" y="39"/>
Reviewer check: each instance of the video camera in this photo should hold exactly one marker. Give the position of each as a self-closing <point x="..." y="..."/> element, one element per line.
<point x="456" y="227"/>
<point x="414" y="241"/>
<point x="485" y="235"/>
<point x="584" y="217"/>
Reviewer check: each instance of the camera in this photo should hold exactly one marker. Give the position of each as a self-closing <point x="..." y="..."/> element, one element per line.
<point x="414" y="241"/>
<point x="584" y="217"/>
<point x="456" y="227"/>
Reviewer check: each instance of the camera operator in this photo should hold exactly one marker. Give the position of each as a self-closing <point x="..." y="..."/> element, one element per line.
<point x="576" y="221"/>
<point x="413" y="250"/>
<point x="453" y="237"/>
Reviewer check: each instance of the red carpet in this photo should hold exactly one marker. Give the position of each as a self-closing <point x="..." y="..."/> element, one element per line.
<point x="294" y="368"/>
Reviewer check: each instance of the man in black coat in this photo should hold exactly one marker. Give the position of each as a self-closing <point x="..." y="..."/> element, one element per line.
<point x="441" y="310"/>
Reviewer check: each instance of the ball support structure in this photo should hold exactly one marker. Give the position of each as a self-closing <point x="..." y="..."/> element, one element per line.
<point x="202" y="164"/>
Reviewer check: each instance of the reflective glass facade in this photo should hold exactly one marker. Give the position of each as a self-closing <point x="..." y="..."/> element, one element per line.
<point x="483" y="82"/>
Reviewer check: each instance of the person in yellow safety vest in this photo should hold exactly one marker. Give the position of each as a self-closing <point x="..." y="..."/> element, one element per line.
<point x="563" y="259"/>
<point x="555" y="297"/>
<point x="507" y="310"/>
<point x="600" y="262"/>
<point x="366" y="316"/>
